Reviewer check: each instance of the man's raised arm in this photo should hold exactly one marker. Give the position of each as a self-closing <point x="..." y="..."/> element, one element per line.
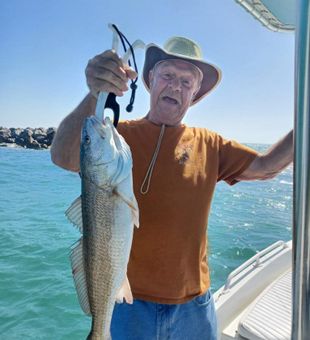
<point x="268" y="165"/>
<point x="65" y="150"/>
<point x="105" y="72"/>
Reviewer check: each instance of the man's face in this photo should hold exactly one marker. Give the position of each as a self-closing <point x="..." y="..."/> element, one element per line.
<point x="173" y="85"/>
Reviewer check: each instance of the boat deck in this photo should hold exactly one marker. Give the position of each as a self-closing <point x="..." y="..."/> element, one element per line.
<point x="269" y="316"/>
<point x="251" y="306"/>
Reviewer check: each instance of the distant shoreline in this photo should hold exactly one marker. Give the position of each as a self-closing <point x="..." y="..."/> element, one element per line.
<point x="29" y="138"/>
<point x="41" y="138"/>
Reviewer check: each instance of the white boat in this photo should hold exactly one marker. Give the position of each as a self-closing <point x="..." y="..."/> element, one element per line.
<point x="268" y="297"/>
<point x="255" y="302"/>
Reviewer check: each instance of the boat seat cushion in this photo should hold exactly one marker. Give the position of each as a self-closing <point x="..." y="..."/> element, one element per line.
<point x="269" y="315"/>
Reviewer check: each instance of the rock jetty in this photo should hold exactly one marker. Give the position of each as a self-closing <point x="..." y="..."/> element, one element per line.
<point x="31" y="138"/>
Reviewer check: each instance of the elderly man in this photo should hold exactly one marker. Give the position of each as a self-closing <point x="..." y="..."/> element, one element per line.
<point x="175" y="170"/>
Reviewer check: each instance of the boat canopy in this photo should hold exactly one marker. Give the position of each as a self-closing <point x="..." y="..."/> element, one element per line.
<point x="277" y="15"/>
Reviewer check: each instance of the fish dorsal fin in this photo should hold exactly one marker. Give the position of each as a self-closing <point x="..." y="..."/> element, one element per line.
<point x="124" y="292"/>
<point x="74" y="213"/>
<point x="78" y="272"/>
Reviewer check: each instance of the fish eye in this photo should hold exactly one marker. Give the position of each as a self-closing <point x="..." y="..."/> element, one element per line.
<point x="87" y="139"/>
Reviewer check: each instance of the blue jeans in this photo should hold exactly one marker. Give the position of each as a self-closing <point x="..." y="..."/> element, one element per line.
<point x="143" y="320"/>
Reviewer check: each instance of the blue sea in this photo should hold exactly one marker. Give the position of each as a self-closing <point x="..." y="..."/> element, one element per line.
<point x="37" y="294"/>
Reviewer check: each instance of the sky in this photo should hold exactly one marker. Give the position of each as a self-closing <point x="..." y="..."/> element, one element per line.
<point x="45" y="46"/>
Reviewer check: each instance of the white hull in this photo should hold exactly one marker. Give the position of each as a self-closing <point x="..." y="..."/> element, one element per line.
<point x="255" y="302"/>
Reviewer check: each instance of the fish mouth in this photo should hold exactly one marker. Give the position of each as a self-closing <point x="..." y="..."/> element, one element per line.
<point x="107" y="121"/>
<point x="98" y="126"/>
<point x="102" y="135"/>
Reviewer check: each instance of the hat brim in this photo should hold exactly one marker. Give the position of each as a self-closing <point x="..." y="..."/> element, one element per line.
<point x="211" y="74"/>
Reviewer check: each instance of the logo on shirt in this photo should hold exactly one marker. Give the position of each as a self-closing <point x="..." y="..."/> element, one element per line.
<point x="183" y="152"/>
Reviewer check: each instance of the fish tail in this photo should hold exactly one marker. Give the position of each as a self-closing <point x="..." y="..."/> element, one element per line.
<point x="96" y="336"/>
<point x="97" y="333"/>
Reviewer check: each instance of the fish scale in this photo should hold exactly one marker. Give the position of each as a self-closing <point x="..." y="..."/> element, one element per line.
<point x="98" y="251"/>
<point x="105" y="214"/>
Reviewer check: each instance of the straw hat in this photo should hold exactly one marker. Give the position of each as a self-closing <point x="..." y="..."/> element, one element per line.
<point x="187" y="50"/>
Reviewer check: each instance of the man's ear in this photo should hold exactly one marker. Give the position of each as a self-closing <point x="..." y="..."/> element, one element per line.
<point x="193" y="96"/>
<point x="151" y="78"/>
<point x="195" y="92"/>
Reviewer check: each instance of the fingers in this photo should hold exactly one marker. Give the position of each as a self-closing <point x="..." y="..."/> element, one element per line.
<point x="106" y="72"/>
<point x="99" y="86"/>
<point x="131" y="74"/>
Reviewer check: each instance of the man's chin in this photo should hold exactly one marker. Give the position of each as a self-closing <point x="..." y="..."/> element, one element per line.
<point x="170" y="119"/>
<point x="169" y="108"/>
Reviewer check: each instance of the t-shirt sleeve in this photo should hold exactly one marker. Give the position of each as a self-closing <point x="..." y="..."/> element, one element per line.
<point x="234" y="159"/>
<point x="121" y="128"/>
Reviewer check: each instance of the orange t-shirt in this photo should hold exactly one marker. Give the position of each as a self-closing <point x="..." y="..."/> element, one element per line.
<point x="168" y="261"/>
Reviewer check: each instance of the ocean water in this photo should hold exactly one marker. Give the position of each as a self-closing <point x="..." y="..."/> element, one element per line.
<point x="37" y="294"/>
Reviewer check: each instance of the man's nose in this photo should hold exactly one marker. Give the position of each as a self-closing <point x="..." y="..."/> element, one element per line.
<point x="175" y="84"/>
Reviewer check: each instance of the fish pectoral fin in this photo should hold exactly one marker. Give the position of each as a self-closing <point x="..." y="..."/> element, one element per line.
<point x="124" y="292"/>
<point x="135" y="213"/>
<point x="132" y="203"/>
<point x="79" y="276"/>
<point x="74" y="213"/>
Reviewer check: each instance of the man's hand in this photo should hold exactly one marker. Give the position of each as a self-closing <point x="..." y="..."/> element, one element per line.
<point x="106" y="72"/>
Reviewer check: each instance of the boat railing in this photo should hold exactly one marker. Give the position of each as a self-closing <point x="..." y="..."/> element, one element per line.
<point x="261" y="13"/>
<point x="254" y="262"/>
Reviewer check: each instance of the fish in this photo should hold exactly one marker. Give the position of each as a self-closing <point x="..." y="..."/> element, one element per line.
<point x="105" y="214"/>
